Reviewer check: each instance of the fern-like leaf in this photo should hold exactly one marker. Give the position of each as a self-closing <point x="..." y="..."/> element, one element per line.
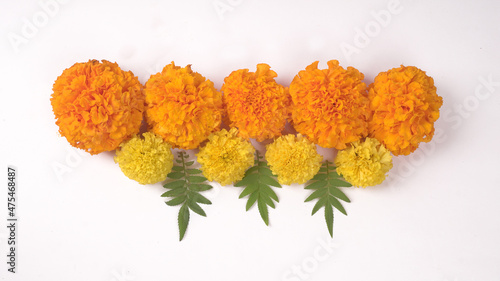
<point x="184" y="189"/>
<point x="325" y="185"/>
<point x="257" y="182"/>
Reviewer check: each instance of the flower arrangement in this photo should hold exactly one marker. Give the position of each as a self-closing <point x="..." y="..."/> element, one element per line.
<point x="98" y="107"/>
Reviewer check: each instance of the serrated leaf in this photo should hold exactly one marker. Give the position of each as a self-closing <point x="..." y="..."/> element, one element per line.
<point x="201" y="199"/>
<point x="316" y="194"/>
<point x="183" y="220"/>
<point x="257" y="182"/>
<point x="329" y="218"/>
<point x="196" y="179"/>
<point x="336" y="203"/>
<point x="176" y="201"/>
<point x="251" y="170"/>
<point x="327" y="183"/>
<point x="193" y="171"/>
<point x="251" y="200"/>
<point x="318" y="177"/>
<point x="200" y="187"/>
<point x="339" y="183"/>
<point x="263" y="211"/>
<point x="321" y="202"/>
<point x="338" y="193"/>
<point x="247" y="180"/>
<point x="186" y="191"/>
<point x="175" y="175"/>
<point x="266" y="199"/>
<point x="174" y="184"/>
<point x="269" y="191"/>
<point x="177" y="168"/>
<point x="334" y="175"/>
<point x="196" y="208"/>
<point x="266" y="171"/>
<point x="316" y="185"/>
<point x="174" y="192"/>
<point x="269" y="181"/>
<point x="249" y="189"/>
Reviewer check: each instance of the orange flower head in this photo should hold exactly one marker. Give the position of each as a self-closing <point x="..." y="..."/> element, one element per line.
<point x="183" y="107"/>
<point x="405" y="106"/>
<point x="255" y="103"/>
<point x="330" y="106"/>
<point x="97" y="105"/>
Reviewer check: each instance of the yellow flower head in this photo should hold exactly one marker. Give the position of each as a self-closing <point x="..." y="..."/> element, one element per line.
<point x="226" y="157"/>
<point x="330" y="106"/>
<point x="97" y="105"/>
<point x="182" y="106"/>
<point x="364" y="163"/>
<point x="255" y="103"/>
<point x="405" y="106"/>
<point x="293" y="159"/>
<point x="147" y="160"/>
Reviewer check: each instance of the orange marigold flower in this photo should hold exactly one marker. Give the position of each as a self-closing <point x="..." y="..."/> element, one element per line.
<point x="97" y="105"/>
<point x="183" y="107"/>
<point x="330" y="106"/>
<point x="405" y="106"/>
<point x="255" y="103"/>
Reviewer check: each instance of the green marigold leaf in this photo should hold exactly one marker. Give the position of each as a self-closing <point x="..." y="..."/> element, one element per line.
<point x="183" y="220"/>
<point x="326" y="185"/>
<point x="185" y="189"/>
<point x="200" y="187"/>
<point x="175" y="175"/>
<point x="174" y="184"/>
<point x="316" y="185"/>
<point x="193" y="171"/>
<point x="251" y="200"/>
<point x="196" y="179"/>
<point x="196" y="208"/>
<point x="249" y="189"/>
<point x="263" y="211"/>
<point x="177" y="168"/>
<point x="257" y="182"/>
<point x="177" y="200"/>
<point x="329" y="218"/>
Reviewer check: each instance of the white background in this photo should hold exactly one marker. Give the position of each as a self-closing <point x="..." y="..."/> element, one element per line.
<point x="436" y="218"/>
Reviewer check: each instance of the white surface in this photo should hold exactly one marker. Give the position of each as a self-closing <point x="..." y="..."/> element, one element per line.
<point x="437" y="221"/>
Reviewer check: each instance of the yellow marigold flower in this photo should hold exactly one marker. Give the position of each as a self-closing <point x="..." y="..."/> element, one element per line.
<point x="364" y="163"/>
<point x="255" y="103"/>
<point x="182" y="106"/>
<point x="330" y="106"/>
<point x="147" y="160"/>
<point x="97" y="105"/>
<point x="226" y="157"/>
<point x="293" y="159"/>
<point x="405" y="106"/>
